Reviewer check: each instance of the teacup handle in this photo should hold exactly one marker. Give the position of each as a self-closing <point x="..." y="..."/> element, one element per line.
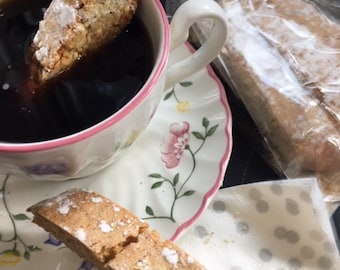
<point x="186" y="15"/>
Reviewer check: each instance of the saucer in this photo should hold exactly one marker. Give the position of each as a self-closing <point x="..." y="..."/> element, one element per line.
<point x="167" y="191"/>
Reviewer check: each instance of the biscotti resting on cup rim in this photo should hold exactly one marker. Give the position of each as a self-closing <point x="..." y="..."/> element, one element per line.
<point x="71" y="29"/>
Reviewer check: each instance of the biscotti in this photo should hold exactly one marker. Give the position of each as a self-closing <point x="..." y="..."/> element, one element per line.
<point x="276" y="66"/>
<point x="149" y="252"/>
<point x="72" y="28"/>
<point x="106" y="234"/>
<point x="309" y="42"/>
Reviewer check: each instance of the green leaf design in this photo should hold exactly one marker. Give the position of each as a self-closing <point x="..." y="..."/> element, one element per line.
<point x="189" y="193"/>
<point x="20" y="248"/>
<point x="34" y="248"/>
<point x="212" y="130"/>
<point x="205" y="122"/>
<point x="185" y="84"/>
<point x="169" y="95"/>
<point x="27" y="255"/>
<point x="157" y="185"/>
<point x="198" y="135"/>
<point x="149" y="211"/>
<point x="20" y="217"/>
<point x="176" y="179"/>
<point x="155" y="175"/>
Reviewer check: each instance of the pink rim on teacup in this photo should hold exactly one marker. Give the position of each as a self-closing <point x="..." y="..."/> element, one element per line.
<point x="158" y="69"/>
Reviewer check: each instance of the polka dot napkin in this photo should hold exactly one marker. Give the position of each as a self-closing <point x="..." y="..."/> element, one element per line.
<point x="279" y="225"/>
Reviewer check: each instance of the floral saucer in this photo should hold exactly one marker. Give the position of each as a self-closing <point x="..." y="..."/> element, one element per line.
<point x="167" y="177"/>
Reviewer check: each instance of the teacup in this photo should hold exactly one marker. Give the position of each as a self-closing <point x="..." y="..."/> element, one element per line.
<point x="90" y="150"/>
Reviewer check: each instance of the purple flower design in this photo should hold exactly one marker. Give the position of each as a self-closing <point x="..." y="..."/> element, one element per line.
<point x="46" y="168"/>
<point x="86" y="266"/>
<point x="52" y="240"/>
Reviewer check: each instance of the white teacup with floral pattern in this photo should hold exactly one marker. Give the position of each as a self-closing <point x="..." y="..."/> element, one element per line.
<point x="90" y="150"/>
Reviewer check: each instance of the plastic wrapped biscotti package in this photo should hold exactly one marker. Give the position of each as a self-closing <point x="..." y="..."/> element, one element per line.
<point x="282" y="60"/>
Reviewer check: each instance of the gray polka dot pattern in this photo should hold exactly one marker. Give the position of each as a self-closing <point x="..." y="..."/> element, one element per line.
<point x="255" y="194"/>
<point x="304" y="196"/>
<point x="200" y="231"/>
<point x="307" y="252"/>
<point x="292" y="237"/>
<point x="242" y="227"/>
<point x="294" y="263"/>
<point x="280" y="232"/>
<point x="265" y="255"/>
<point x="276" y="189"/>
<point x="262" y="206"/>
<point x="325" y="263"/>
<point x="218" y="206"/>
<point x="292" y="207"/>
<point x="272" y="225"/>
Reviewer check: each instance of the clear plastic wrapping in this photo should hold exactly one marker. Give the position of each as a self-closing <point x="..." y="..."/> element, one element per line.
<point x="282" y="59"/>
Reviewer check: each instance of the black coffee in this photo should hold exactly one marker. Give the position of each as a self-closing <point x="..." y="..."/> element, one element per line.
<point x="93" y="91"/>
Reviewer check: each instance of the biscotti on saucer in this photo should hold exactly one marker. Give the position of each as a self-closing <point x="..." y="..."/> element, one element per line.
<point x="106" y="234"/>
<point x="73" y="28"/>
<point x="150" y="252"/>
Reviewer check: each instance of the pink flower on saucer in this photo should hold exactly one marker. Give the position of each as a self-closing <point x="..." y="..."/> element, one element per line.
<point x="174" y="144"/>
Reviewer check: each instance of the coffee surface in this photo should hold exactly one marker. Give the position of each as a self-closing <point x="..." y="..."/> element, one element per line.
<point x="99" y="86"/>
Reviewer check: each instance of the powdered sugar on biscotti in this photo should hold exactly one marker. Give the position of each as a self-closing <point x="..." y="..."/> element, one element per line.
<point x="71" y="29"/>
<point x="170" y="255"/>
<point x="105" y="227"/>
<point x="97" y="199"/>
<point x="64" y="16"/>
<point x="81" y="235"/>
